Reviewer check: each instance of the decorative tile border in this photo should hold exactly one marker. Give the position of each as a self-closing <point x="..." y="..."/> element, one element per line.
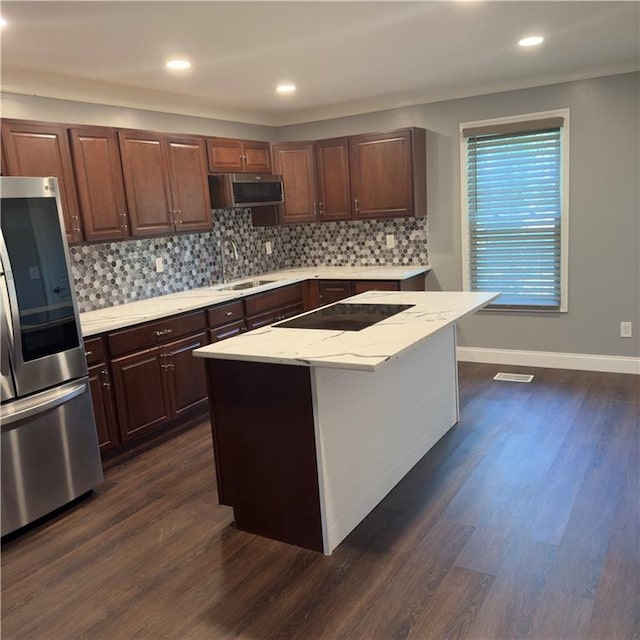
<point x="112" y="273"/>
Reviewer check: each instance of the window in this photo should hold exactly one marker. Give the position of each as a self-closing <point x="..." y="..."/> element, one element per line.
<point x="515" y="181"/>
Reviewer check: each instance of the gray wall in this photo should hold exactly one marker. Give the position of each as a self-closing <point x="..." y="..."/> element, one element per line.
<point x="604" y="236"/>
<point x="51" y="110"/>
<point x="604" y="216"/>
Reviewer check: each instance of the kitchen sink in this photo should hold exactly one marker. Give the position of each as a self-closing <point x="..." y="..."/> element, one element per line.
<point x="245" y="285"/>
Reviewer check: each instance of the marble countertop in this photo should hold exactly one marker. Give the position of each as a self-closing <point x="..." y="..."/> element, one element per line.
<point x="131" y="313"/>
<point x="365" y="350"/>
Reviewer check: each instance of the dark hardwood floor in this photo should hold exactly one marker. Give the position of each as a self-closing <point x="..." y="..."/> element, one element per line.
<point x="522" y="522"/>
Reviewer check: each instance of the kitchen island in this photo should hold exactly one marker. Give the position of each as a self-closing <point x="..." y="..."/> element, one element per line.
<point x="312" y="427"/>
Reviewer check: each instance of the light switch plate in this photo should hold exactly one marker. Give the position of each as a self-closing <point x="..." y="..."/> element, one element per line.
<point x="159" y="265"/>
<point x="268" y="248"/>
<point x="391" y="241"/>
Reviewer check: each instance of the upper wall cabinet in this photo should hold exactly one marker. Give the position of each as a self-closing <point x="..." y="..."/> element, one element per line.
<point x="295" y="161"/>
<point x="98" y="170"/>
<point x="166" y="182"/>
<point x="315" y="176"/>
<point x="388" y="174"/>
<point x="334" y="187"/>
<point x="41" y="149"/>
<point x="227" y="155"/>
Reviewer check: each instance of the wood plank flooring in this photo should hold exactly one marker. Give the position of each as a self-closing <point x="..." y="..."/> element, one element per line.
<point x="522" y="522"/>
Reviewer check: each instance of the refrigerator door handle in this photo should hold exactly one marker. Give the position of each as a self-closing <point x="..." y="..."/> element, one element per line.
<point x="21" y="409"/>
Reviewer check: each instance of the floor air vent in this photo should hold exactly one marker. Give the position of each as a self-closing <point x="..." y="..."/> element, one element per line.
<point x="513" y="377"/>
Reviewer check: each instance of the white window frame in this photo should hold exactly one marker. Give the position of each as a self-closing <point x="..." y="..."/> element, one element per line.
<point x="564" y="198"/>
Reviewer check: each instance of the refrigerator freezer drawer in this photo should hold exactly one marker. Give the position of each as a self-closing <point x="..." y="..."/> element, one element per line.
<point x="49" y="453"/>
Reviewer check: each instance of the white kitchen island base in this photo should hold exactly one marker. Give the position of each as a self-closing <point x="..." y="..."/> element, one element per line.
<point x="370" y="430"/>
<point x="312" y="428"/>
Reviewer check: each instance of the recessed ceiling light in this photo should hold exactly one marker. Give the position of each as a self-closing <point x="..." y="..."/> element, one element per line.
<point x="286" y="88"/>
<point x="531" y="41"/>
<point x="178" y="64"/>
<point x="3" y="22"/>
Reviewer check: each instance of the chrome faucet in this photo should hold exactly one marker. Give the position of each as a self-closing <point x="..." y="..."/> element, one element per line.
<point x="223" y="241"/>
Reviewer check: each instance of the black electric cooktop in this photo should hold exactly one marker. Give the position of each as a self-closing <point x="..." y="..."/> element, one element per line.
<point x="345" y="317"/>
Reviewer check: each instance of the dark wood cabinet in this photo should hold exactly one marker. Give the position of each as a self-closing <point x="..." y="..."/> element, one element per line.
<point x="186" y="375"/>
<point x="378" y="175"/>
<point x="41" y="149"/>
<point x="388" y="174"/>
<point x="334" y="188"/>
<point x="141" y="392"/>
<point x="158" y="385"/>
<point x="295" y="162"/>
<point x="227" y="155"/>
<point x="360" y="286"/>
<point x="103" y="406"/>
<point x="98" y="172"/>
<point x="330" y="291"/>
<point x="102" y="394"/>
<point x="189" y="183"/>
<point x="271" y="306"/>
<point x="226" y="320"/>
<point x="166" y="182"/>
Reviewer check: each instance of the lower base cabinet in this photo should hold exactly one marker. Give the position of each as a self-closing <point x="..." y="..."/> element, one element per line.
<point x="103" y="406"/>
<point x="155" y="386"/>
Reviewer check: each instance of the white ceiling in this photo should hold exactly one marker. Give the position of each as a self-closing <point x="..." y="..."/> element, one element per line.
<point x="345" y="57"/>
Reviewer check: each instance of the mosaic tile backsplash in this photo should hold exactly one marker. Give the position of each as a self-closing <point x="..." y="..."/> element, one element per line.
<point x="112" y="273"/>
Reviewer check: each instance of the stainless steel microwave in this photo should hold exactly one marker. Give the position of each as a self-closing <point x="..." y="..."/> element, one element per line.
<point x="245" y="190"/>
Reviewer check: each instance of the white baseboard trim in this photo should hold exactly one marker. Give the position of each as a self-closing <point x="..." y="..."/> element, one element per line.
<point x="550" y="359"/>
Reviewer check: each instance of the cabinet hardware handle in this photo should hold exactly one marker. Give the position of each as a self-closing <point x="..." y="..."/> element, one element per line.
<point x="123" y="220"/>
<point x="105" y="379"/>
<point x="179" y="214"/>
<point x="229" y="313"/>
<point x="315" y="208"/>
<point x="321" y="205"/>
<point x="88" y="353"/>
<point x="357" y="205"/>
<point x="162" y="332"/>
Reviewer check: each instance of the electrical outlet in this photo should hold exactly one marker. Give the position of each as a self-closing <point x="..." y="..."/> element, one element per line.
<point x="34" y="273"/>
<point x="625" y="330"/>
<point x="267" y="247"/>
<point x="391" y="241"/>
<point x="159" y="265"/>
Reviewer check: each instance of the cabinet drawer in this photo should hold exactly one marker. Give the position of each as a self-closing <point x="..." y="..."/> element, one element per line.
<point x="261" y="320"/>
<point x="157" y="332"/>
<point x="375" y="285"/>
<point x="94" y="350"/>
<point x="227" y="331"/>
<point x="270" y="300"/>
<point x="290" y="311"/>
<point x="225" y="313"/>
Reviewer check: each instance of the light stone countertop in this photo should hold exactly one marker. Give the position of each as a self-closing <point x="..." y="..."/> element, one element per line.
<point x="364" y="350"/>
<point x="131" y="313"/>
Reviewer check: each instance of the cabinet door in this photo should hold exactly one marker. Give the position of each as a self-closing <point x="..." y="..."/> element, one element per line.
<point x="256" y="157"/>
<point x="375" y="285"/>
<point x="103" y="406"/>
<point x="381" y="175"/>
<point x="189" y="183"/>
<point x="186" y="375"/>
<point x="334" y="190"/>
<point x="296" y="163"/>
<point x="224" y="155"/>
<point x="146" y="182"/>
<point x="96" y="160"/>
<point x="333" y="290"/>
<point x="39" y="150"/>
<point x="141" y="394"/>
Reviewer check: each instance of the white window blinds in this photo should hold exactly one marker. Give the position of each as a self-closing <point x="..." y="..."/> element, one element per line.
<point x="514" y="212"/>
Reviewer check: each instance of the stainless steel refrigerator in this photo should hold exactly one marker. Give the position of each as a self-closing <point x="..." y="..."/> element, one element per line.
<point x="49" y="447"/>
